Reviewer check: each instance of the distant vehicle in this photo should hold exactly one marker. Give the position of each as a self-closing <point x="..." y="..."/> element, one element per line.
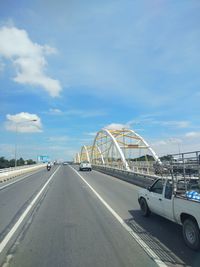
<point x="177" y="201"/>
<point x="65" y="163"/>
<point x="85" y="165"/>
<point x="48" y="166"/>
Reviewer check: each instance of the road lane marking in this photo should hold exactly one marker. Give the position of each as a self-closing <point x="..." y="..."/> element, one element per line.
<point x="146" y="248"/>
<point x="7" y="238"/>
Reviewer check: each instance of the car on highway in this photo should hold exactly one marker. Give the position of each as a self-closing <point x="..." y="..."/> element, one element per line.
<point x="177" y="201"/>
<point x="85" y="165"/>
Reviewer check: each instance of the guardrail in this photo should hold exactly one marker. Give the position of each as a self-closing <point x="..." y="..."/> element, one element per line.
<point x="142" y="180"/>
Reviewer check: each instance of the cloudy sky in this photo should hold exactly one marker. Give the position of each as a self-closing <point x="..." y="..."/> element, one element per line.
<point x="70" y="68"/>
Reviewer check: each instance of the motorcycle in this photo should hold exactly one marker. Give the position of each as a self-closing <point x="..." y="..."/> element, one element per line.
<point x="48" y="168"/>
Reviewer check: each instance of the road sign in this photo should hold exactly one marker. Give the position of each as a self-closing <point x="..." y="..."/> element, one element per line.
<point x="43" y="158"/>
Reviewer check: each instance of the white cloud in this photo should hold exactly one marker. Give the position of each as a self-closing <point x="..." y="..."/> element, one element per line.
<point x="167" y="146"/>
<point x="149" y="119"/>
<point x="28" y="58"/>
<point x="23" y="122"/>
<point x="159" y="143"/>
<point x="167" y="142"/>
<point x="192" y="134"/>
<point x="174" y="140"/>
<point x="177" y="124"/>
<point x="116" y="126"/>
<point x="55" y="111"/>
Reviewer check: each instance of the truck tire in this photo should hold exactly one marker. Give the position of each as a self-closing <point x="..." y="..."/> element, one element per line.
<point x="144" y="207"/>
<point x="191" y="234"/>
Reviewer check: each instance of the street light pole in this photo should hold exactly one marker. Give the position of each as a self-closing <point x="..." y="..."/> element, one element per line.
<point x="16" y="132"/>
<point x="177" y="143"/>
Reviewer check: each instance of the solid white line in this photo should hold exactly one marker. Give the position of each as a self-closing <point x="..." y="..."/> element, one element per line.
<point x="22" y="217"/>
<point x="146" y="248"/>
<point x="14" y="182"/>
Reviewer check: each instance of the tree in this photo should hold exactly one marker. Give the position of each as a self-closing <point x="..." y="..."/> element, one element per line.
<point x="30" y="162"/>
<point x="4" y="163"/>
<point x="144" y="158"/>
<point x="20" y="162"/>
<point x="167" y="158"/>
<point x="12" y="163"/>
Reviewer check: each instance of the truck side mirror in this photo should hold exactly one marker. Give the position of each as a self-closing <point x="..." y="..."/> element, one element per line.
<point x="149" y="188"/>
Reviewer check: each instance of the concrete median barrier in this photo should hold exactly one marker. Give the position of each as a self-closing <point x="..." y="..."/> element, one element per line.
<point x="142" y="180"/>
<point x="8" y="174"/>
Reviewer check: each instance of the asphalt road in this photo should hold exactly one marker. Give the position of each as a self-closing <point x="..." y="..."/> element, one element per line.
<point x="15" y="195"/>
<point x="71" y="227"/>
<point x="161" y="235"/>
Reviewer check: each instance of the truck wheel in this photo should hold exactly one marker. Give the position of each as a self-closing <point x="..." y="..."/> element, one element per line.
<point x="144" y="207"/>
<point x="191" y="234"/>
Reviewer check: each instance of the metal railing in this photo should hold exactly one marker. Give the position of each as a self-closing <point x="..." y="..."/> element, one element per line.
<point x="183" y="166"/>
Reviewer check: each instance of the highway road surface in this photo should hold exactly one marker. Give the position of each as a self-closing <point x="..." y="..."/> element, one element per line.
<point x="83" y="219"/>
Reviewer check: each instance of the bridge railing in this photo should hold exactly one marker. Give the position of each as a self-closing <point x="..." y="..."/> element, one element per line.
<point x="143" y="173"/>
<point x="137" y="178"/>
<point x="139" y="167"/>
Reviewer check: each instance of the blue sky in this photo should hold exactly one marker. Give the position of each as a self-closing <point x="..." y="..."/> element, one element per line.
<point x="79" y="66"/>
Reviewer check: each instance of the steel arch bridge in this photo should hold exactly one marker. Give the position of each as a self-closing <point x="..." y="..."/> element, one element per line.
<point x="120" y="148"/>
<point x="85" y="153"/>
<point x="77" y="158"/>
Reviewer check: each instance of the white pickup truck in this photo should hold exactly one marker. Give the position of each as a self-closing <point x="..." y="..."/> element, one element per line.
<point x="171" y="200"/>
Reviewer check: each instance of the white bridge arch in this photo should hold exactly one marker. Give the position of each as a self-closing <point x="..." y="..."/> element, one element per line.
<point x="120" y="148"/>
<point x="86" y="154"/>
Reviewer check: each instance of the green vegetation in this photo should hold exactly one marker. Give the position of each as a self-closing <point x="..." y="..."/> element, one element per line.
<point x="167" y="158"/>
<point x="5" y="163"/>
<point x="143" y="158"/>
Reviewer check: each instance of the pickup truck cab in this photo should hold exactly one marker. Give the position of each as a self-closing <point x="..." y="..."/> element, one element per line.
<point x="173" y="201"/>
<point x="85" y="165"/>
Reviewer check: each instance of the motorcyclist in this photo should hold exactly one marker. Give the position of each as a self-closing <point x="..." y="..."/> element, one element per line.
<point x="48" y="166"/>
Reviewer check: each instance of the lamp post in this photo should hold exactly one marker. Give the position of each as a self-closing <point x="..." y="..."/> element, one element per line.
<point x="16" y="132"/>
<point x="176" y="142"/>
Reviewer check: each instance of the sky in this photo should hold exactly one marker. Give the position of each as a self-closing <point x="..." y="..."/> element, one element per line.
<point x="70" y="68"/>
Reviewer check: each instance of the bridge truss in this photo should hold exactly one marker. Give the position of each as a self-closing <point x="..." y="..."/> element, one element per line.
<point x="120" y="148"/>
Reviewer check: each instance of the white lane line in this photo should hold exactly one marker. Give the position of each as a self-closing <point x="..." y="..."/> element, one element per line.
<point x="22" y="217"/>
<point x="17" y="180"/>
<point x="146" y="248"/>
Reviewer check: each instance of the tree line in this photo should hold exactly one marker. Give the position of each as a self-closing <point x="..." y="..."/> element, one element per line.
<point x="151" y="158"/>
<point x="5" y="163"/>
